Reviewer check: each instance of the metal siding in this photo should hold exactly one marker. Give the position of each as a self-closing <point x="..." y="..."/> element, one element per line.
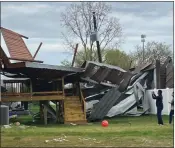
<point x="106" y="103"/>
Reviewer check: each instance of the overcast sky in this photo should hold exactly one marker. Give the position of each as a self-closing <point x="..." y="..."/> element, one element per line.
<point x="40" y="21"/>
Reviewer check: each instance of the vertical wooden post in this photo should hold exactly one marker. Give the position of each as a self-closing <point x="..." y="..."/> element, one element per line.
<point x="21" y="88"/>
<point x="62" y="110"/>
<point x="158" y="74"/>
<point x="41" y="110"/>
<point x="45" y="115"/>
<point x="63" y="86"/>
<point x="31" y="88"/>
<point x="62" y="102"/>
<point x="5" y="87"/>
<point x="57" y="112"/>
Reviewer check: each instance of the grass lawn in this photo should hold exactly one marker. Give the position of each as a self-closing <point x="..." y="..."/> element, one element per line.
<point x="122" y="131"/>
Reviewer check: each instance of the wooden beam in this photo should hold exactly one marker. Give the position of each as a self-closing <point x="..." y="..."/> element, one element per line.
<point x="45" y="115"/>
<point x="49" y="92"/>
<point x="33" y="93"/>
<point x="62" y="111"/>
<point x="57" y="112"/>
<point x="31" y="88"/>
<point x="34" y="98"/>
<point x="41" y="110"/>
<point x="37" y="50"/>
<point x="75" y="52"/>
<point x="63" y="86"/>
<point x="25" y="60"/>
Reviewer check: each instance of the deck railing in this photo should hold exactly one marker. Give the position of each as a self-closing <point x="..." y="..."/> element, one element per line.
<point x="31" y="94"/>
<point x="82" y="100"/>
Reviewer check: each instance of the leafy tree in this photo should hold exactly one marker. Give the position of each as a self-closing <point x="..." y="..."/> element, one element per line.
<point x="111" y="56"/>
<point x="78" y="22"/>
<point x="88" y="56"/>
<point x="66" y="63"/>
<point x="118" y="58"/>
<point x="152" y="51"/>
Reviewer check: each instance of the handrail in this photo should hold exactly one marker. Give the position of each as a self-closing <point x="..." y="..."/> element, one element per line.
<point x="83" y="103"/>
<point x="33" y="93"/>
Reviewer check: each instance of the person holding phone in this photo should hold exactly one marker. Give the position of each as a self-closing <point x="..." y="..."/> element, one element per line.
<point x="172" y="109"/>
<point x="159" y="105"/>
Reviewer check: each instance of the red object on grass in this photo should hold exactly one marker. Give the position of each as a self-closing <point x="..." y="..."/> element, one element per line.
<point x="104" y="123"/>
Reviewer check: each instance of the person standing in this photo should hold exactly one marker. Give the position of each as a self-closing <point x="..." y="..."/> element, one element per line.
<point x="172" y="109"/>
<point x="159" y="105"/>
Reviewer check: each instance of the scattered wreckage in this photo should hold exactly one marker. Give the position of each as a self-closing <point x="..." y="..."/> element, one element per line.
<point x="124" y="91"/>
<point x="101" y="90"/>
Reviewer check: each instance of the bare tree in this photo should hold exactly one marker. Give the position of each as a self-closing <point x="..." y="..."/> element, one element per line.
<point x="78" y="22"/>
<point x="153" y="51"/>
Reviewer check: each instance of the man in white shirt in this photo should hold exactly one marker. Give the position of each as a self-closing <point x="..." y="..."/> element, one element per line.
<point x="172" y="109"/>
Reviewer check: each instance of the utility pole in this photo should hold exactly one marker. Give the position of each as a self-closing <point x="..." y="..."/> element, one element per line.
<point x="143" y="40"/>
<point x="75" y="52"/>
<point x="98" y="44"/>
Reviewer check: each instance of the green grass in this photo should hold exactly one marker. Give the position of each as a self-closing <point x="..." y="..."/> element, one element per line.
<point x="122" y="131"/>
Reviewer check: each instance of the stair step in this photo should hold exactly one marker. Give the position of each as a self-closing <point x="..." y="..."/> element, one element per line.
<point x="74" y="119"/>
<point x="72" y="105"/>
<point x="67" y="111"/>
<point x="80" y="122"/>
<point x="74" y="112"/>
<point x="72" y="98"/>
<point x="81" y="115"/>
<point x="72" y="102"/>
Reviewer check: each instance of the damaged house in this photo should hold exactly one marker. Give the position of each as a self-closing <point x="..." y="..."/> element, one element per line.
<point x="97" y="90"/>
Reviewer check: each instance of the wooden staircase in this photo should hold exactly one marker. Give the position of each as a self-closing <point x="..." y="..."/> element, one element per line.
<point x="74" y="110"/>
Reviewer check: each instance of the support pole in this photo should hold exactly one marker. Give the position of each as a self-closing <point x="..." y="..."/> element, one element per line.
<point x="61" y="107"/>
<point x="75" y="52"/>
<point x="98" y="44"/>
<point x="57" y="112"/>
<point x="45" y="115"/>
<point x="41" y="110"/>
<point x="63" y="86"/>
<point x="31" y="91"/>
<point x="37" y="50"/>
<point x="143" y="53"/>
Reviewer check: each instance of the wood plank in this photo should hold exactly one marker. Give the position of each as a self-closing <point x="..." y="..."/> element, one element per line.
<point x="75" y="114"/>
<point x="63" y="86"/>
<point x="34" y="98"/>
<point x="72" y="105"/>
<point x="14" y="94"/>
<point x="36" y="93"/>
<point x="83" y="122"/>
<point x="74" y="118"/>
<point x="49" y="92"/>
<point x="72" y="109"/>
